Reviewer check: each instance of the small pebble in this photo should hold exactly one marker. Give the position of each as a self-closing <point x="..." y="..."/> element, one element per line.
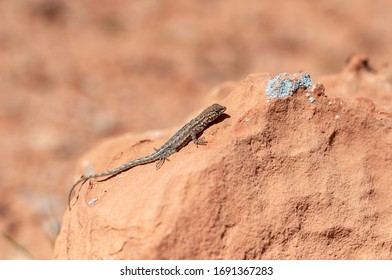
<point x="307" y="95"/>
<point x="92" y="201"/>
<point x="311" y="99"/>
<point x="337" y="117"/>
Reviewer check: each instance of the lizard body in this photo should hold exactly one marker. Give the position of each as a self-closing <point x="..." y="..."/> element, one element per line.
<point x="187" y="133"/>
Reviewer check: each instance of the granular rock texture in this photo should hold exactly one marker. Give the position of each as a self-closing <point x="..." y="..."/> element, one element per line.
<point x="74" y="73"/>
<point x="285" y="179"/>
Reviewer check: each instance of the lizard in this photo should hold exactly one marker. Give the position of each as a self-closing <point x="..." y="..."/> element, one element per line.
<point x="179" y="140"/>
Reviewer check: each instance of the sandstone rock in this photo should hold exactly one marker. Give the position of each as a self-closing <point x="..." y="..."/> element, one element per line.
<point x="287" y="179"/>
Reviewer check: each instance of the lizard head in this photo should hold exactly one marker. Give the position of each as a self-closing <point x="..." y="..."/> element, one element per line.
<point x="214" y="111"/>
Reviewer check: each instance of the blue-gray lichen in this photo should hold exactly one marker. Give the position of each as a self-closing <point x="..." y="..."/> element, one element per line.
<point x="285" y="84"/>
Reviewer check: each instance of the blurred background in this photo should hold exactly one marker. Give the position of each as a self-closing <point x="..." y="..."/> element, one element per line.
<point x="75" y="72"/>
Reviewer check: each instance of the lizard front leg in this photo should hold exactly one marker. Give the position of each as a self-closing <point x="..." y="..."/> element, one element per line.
<point x="198" y="141"/>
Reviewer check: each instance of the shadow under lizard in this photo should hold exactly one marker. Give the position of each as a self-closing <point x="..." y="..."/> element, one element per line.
<point x="187" y="133"/>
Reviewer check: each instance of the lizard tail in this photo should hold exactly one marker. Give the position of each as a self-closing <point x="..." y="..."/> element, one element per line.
<point x="115" y="171"/>
<point x="83" y="179"/>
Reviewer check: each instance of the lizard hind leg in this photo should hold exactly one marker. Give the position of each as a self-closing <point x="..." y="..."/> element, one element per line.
<point x="165" y="157"/>
<point x="159" y="163"/>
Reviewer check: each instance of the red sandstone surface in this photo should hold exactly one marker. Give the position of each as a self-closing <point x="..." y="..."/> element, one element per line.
<point x="288" y="179"/>
<point x="94" y="81"/>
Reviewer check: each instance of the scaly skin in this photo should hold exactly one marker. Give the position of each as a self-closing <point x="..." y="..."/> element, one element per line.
<point x="187" y="133"/>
